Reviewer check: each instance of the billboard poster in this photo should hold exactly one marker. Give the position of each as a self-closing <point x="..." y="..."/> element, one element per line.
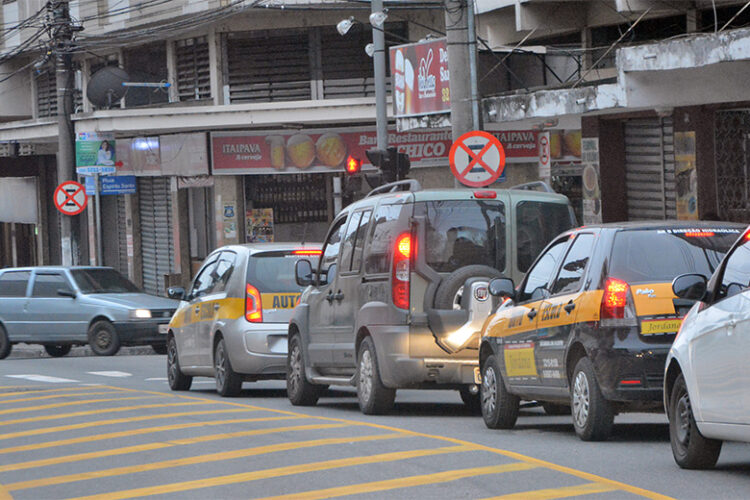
<point x="325" y="150"/>
<point x="95" y="149"/>
<point x="420" y="78"/>
<point x="259" y="225"/>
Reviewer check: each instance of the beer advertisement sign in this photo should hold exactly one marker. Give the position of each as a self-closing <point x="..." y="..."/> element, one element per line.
<point x="420" y="78"/>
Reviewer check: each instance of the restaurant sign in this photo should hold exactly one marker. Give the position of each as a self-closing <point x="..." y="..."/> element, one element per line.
<point x="420" y="78"/>
<point x="325" y="150"/>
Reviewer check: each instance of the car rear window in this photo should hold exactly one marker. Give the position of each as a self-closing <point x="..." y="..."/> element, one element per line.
<point x="658" y="255"/>
<point x="274" y="271"/>
<point x="463" y="232"/>
<point x="537" y="223"/>
<point x="14" y="283"/>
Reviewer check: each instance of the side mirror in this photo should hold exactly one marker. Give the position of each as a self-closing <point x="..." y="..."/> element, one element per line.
<point x="66" y="293"/>
<point x="303" y="273"/>
<point x="690" y="286"/>
<point x="176" y="292"/>
<point x="502" y="287"/>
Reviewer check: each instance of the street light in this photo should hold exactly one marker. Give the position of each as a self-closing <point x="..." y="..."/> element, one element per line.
<point x="344" y="26"/>
<point x="377" y="19"/>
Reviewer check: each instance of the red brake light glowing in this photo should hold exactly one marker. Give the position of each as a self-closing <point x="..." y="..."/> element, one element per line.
<point x="699" y="234"/>
<point x="307" y="251"/>
<point x="403" y="244"/>
<point x="747" y="235"/>
<point x="630" y="382"/>
<point x="253" y="307"/>
<point x="401" y="274"/>
<point x="485" y="194"/>
<point x="615" y="298"/>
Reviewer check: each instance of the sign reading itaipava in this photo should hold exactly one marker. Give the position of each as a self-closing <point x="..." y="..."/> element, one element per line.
<point x="95" y="149"/>
<point x="421" y="82"/>
<point x="326" y="150"/>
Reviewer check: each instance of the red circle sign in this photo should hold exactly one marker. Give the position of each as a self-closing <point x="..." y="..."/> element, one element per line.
<point x="70" y="198"/>
<point x="477" y="158"/>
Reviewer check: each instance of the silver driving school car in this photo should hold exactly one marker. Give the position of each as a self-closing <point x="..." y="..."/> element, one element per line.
<point x="232" y="324"/>
<point x="60" y="307"/>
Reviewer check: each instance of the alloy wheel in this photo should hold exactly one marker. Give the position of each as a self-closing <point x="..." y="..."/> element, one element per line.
<point x="221" y="370"/>
<point x="489" y="391"/>
<point x="102" y="339"/>
<point x="581" y="400"/>
<point x="365" y="375"/>
<point x="172" y="361"/>
<point x="296" y="365"/>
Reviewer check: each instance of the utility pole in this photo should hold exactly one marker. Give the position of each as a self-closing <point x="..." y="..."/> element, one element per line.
<point x="62" y="35"/>
<point x="378" y="60"/>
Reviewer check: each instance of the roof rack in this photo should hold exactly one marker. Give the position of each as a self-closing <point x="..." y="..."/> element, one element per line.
<point x="392" y="187"/>
<point x="535" y="186"/>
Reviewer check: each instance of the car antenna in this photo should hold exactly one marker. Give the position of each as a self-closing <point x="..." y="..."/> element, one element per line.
<point x="304" y="233"/>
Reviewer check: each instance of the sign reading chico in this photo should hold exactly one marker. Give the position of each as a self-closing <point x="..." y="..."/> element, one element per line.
<point x="477" y="159"/>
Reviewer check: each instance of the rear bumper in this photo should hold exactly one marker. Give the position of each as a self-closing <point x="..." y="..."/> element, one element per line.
<point x="140" y="332"/>
<point x="257" y="349"/>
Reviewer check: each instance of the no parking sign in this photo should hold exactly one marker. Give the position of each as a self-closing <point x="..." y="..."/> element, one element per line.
<point x="477" y="158"/>
<point x="70" y="198"/>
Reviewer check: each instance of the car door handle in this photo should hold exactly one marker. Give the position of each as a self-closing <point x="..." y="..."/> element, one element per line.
<point x="532" y="314"/>
<point x="338" y="296"/>
<point x="329" y="297"/>
<point x="217" y="307"/>
<point x="569" y="307"/>
<point x="197" y="309"/>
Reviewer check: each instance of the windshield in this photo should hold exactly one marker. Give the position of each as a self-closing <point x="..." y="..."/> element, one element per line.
<point x="274" y="271"/>
<point x="462" y="233"/>
<point x="659" y="255"/>
<point x="102" y="281"/>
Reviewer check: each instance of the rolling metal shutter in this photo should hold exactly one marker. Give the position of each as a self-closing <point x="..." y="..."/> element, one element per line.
<point x="193" y="72"/>
<point x="649" y="169"/>
<point x="157" y="249"/>
<point x="122" y="240"/>
<point x="269" y="68"/>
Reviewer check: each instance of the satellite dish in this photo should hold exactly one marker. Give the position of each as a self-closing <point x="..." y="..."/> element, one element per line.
<point x="105" y="86"/>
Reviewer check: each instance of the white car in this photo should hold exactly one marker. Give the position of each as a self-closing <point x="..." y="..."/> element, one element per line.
<point x="707" y="378"/>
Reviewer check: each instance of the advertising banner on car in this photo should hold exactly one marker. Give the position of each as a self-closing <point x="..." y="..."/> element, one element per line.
<point x="420" y="78"/>
<point x="325" y="150"/>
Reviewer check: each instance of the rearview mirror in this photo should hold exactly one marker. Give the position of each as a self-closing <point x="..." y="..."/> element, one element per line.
<point x="303" y="273"/>
<point x="176" y="292"/>
<point x="690" y="286"/>
<point x="66" y="293"/>
<point x="503" y="287"/>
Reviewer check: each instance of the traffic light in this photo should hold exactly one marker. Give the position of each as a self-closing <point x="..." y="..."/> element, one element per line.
<point x="352" y="179"/>
<point x="353" y="165"/>
<point x="393" y="164"/>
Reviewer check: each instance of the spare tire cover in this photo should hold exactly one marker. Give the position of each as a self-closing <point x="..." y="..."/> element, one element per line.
<point x="445" y="297"/>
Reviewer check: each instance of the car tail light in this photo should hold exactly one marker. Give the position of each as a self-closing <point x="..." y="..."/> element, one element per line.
<point x="617" y="304"/>
<point x="699" y="234"/>
<point x="630" y="382"/>
<point x="485" y="194"/>
<point x="307" y="251"/>
<point x="253" y="307"/>
<point x="401" y="271"/>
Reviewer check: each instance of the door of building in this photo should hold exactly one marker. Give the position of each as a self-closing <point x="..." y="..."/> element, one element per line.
<point x="157" y="245"/>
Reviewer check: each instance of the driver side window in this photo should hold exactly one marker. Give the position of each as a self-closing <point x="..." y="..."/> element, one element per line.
<point x="736" y="277"/>
<point x="331" y="250"/>
<point x="540" y="274"/>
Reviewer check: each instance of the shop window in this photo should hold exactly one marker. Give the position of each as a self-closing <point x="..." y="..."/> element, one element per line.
<point x="294" y="198"/>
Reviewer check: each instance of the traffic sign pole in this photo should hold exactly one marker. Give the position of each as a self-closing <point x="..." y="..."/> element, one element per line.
<point x="98" y="215"/>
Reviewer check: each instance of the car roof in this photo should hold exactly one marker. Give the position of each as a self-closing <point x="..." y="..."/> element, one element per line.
<point x="663" y="224"/>
<point x="51" y="268"/>
<point x="269" y="247"/>
<point x="460" y="194"/>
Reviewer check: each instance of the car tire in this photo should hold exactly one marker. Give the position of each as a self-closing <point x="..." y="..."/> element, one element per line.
<point x="298" y="389"/>
<point x="592" y="413"/>
<point x="473" y="402"/>
<point x="374" y="397"/>
<point x="690" y="449"/>
<point x="5" y="345"/>
<point x="228" y="382"/>
<point x="159" y="348"/>
<point x="103" y="338"/>
<point x="57" y="351"/>
<point x="178" y="381"/>
<point x="447" y="294"/>
<point x="556" y="409"/>
<point x="499" y="407"/>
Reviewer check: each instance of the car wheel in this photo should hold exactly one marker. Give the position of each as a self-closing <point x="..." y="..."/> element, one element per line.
<point x="556" y="409"/>
<point x="159" y="348"/>
<point x="57" y="351"/>
<point x="298" y="389"/>
<point x="592" y="414"/>
<point x="103" y="339"/>
<point x="178" y="381"/>
<point x="472" y="401"/>
<point x="228" y="382"/>
<point x="690" y="449"/>
<point x="374" y="398"/>
<point x="5" y="345"/>
<point x="499" y="407"/>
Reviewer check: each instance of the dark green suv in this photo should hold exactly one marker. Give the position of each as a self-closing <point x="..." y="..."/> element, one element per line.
<point x="399" y="295"/>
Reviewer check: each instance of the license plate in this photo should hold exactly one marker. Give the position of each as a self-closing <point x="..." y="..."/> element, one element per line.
<point x="477" y="376"/>
<point x="163" y="328"/>
<point x="659" y="326"/>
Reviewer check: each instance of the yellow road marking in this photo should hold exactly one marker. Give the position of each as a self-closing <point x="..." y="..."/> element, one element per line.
<point x="90" y="412"/>
<point x="564" y="492"/>
<point x="154" y="446"/>
<point x="69" y="403"/>
<point x="4" y="495"/>
<point x="245" y="477"/>
<point x="405" y="482"/>
<point x="136" y="432"/>
<point x="212" y="457"/>
<point x="53" y="396"/>
<point x="510" y="454"/>
<point x="61" y="389"/>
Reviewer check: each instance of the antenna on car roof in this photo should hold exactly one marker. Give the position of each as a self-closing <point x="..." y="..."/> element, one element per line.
<point x="304" y="233"/>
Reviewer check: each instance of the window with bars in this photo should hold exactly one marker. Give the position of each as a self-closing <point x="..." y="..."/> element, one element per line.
<point x="193" y="69"/>
<point x="46" y="94"/>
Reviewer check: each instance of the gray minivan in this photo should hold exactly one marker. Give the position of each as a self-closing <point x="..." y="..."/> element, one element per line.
<point x="399" y="295"/>
<point x="60" y="307"/>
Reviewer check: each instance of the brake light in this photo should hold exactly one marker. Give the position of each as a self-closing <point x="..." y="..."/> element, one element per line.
<point x="307" y="251"/>
<point x="699" y="234"/>
<point x="253" y="307"/>
<point x="485" y="194"/>
<point x="615" y="299"/>
<point x="401" y="271"/>
<point x="632" y="381"/>
<point x="747" y="235"/>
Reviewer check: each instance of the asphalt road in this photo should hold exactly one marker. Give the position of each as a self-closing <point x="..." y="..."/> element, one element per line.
<point x="94" y="427"/>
